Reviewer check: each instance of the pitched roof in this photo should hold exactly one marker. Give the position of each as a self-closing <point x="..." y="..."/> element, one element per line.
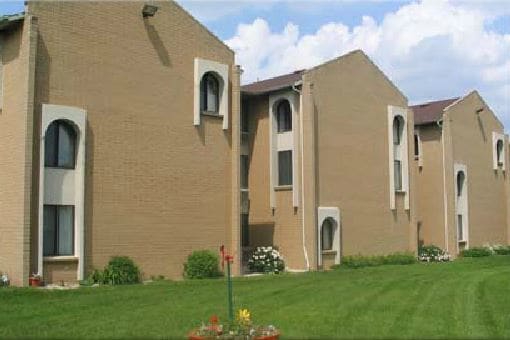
<point x="8" y="20"/>
<point x="273" y="84"/>
<point x="430" y="112"/>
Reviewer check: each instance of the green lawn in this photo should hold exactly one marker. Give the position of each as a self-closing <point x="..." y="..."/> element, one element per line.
<point x="466" y="298"/>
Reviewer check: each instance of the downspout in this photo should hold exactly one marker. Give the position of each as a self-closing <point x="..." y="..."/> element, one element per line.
<point x="445" y="199"/>
<point x="305" y="252"/>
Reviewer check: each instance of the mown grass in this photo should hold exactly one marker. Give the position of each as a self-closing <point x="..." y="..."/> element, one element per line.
<point x="467" y="298"/>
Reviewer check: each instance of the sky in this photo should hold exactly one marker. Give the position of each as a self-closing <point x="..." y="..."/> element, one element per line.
<point x="431" y="49"/>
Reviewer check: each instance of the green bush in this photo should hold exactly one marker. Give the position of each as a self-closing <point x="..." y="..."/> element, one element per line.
<point x="501" y="250"/>
<point x="202" y="264"/>
<point x="476" y="252"/>
<point x="360" y="261"/>
<point x="120" y="270"/>
<point x="266" y="260"/>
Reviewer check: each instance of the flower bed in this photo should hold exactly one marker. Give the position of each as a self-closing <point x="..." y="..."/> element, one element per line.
<point x="433" y="254"/>
<point x="241" y="328"/>
<point x="266" y="260"/>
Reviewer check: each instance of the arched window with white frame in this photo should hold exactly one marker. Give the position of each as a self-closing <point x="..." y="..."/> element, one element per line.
<point x="60" y="145"/>
<point x="209" y="93"/>
<point x="283" y="116"/>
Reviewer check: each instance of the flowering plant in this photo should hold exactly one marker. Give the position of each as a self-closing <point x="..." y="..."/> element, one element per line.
<point x="433" y="254"/>
<point x="241" y="328"/>
<point x="266" y="260"/>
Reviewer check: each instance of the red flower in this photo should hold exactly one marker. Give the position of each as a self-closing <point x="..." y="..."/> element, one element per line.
<point x="213" y="320"/>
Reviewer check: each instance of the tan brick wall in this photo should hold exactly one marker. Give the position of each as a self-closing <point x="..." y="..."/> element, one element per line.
<point x="157" y="187"/>
<point x="61" y="271"/>
<point x="350" y="103"/>
<point x="471" y="135"/>
<point x="15" y="155"/>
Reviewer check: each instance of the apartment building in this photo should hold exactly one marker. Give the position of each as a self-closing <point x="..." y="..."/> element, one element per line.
<point x="326" y="164"/>
<point x="119" y="128"/>
<point x="461" y="162"/>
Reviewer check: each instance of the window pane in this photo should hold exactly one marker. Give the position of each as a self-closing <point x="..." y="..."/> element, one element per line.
<point x="398" y="175"/>
<point x="284" y="116"/>
<point x="397" y="130"/>
<point x="244" y="171"/>
<point x="66" y="143"/>
<point x="285" y="168"/>
<point x="245" y="234"/>
<point x="50" y="145"/>
<point x="460" y="183"/>
<point x="327" y="235"/>
<point x="212" y="94"/>
<point x="499" y="152"/>
<point x="65" y="230"/>
<point x="49" y="230"/>
<point x="460" y="228"/>
<point x="203" y="94"/>
<point x="416" y="146"/>
<point x="244" y="118"/>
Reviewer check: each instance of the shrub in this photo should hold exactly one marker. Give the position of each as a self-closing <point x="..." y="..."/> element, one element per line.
<point x="432" y="253"/>
<point x="202" y="264"/>
<point x="266" y="260"/>
<point x="360" y="261"/>
<point x="476" y="252"/>
<point x="501" y="250"/>
<point x="119" y="271"/>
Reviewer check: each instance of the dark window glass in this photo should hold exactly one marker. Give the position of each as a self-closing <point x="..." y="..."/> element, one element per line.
<point x="58" y="230"/>
<point x="245" y="164"/>
<point x="327" y="235"/>
<point x="284" y="116"/>
<point x="398" y="128"/>
<point x="244" y="118"/>
<point x="398" y="175"/>
<point x="416" y="146"/>
<point x="460" y="228"/>
<point x="209" y="93"/>
<point x="460" y="183"/>
<point x="245" y="232"/>
<point x="285" y="167"/>
<point x="499" y="152"/>
<point x="60" y="145"/>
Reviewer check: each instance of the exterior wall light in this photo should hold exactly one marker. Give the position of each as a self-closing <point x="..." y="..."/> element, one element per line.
<point x="149" y="10"/>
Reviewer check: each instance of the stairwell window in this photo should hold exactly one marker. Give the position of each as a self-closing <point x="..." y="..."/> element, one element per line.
<point x="398" y="129"/>
<point x="58" y="230"/>
<point x="285" y="168"/>
<point x="499" y="152"/>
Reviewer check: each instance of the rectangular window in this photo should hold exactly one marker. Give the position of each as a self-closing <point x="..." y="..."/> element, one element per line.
<point x="460" y="228"/>
<point x="58" y="230"/>
<point x="245" y="167"/>
<point x="245" y="232"/>
<point x="285" y="167"/>
<point x="244" y="117"/>
<point x="398" y="175"/>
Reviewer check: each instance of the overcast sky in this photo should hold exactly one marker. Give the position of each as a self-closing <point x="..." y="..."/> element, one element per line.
<point x="431" y="49"/>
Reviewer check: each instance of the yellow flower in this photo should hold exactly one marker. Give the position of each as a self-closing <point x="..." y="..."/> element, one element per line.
<point x="243" y="315"/>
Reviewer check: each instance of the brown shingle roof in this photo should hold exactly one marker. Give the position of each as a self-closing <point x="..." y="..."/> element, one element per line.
<point x="272" y="84"/>
<point x="430" y="112"/>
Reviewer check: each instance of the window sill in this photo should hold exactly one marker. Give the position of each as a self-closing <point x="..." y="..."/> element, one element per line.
<point x="211" y="114"/>
<point x="283" y="188"/>
<point x="329" y="252"/>
<point x="60" y="258"/>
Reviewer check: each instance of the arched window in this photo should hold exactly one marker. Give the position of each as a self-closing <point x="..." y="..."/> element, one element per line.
<point x="60" y="145"/>
<point x="416" y="146"/>
<point x="461" y="177"/>
<point x="327" y="234"/>
<point x="284" y="116"/>
<point x="499" y="152"/>
<point x="398" y="129"/>
<point x="209" y="93"/>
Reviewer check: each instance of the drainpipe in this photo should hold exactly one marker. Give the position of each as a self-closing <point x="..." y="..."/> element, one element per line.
<point x="445" y="199"/>
<point x="305" y="252"/>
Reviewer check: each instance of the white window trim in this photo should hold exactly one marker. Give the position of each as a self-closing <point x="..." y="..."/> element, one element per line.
<point x="202" y="66"/>
<point x="495" y="138"/>
<point x="322" y="214"/>
<point x="394" y="111"/>
<point x="78" y="117"/>
<point x="293" y="99"/>
<point x="462" y="203"/>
